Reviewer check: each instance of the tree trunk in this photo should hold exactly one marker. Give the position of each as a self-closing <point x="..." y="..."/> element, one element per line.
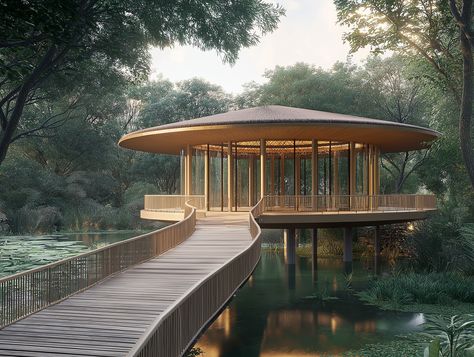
<point x="21" y="99"/>
<point x="464" y="22"/>
<point x="466" y="105"/>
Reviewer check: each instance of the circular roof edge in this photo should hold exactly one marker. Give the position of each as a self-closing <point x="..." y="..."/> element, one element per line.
<point x="315" y="124"/>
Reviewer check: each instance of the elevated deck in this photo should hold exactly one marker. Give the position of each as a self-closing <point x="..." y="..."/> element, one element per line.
<point x="134" y="313"/>
<point x="309" y="211"/>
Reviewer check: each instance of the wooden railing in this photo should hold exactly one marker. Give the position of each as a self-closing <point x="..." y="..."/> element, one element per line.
<point x="353" y="203"/>
<point x="25" y="293"/>
<point x="177" y="328"/>
<point x="173" y="203"/>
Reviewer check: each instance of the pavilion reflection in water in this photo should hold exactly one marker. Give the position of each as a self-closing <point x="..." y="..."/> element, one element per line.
<point x="271" y="319"/>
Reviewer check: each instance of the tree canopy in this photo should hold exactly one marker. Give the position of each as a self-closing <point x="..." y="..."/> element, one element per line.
<point x="47" y="46"/>
<point x="439" y="32"/>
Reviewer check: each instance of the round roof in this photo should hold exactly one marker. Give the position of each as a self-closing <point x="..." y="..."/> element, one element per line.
<point x="276" y="122"/>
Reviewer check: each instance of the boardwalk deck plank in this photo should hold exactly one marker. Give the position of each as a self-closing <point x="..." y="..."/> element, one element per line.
<point x="109" y="318"/>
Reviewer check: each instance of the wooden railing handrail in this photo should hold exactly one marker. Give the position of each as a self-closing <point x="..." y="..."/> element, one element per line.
<point x="88" y="253"/>
<point x="16" y="303"/>
<point x="171" y="202"/>
<point x="321" y="203"/>
<point x="172" y="195"/>
<point x="152" y="343"/>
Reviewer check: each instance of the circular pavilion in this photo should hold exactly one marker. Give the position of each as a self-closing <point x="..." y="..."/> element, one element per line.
<point x="294" y="157"/>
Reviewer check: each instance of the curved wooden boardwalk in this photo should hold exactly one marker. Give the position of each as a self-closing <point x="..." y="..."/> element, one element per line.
<point x="112" y="317"/>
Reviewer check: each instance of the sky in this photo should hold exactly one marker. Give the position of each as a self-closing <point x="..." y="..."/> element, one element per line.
<point x="308" y="33"/>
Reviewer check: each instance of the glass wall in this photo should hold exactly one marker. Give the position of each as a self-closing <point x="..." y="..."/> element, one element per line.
<point x="218" y="178"/>
<point x="343" y="169"/>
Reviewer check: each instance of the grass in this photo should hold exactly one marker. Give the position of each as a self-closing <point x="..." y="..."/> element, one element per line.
<point x="440" y="293"/>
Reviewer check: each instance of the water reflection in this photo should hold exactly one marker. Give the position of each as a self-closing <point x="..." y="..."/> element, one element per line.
<point x="299" y="311"/>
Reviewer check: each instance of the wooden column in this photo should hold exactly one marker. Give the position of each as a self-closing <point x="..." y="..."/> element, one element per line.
<point x="335" y="174"/>
<point x="370" y="161"/>
<point x="251" y="180"/>
<point x="188" y="171"/>
<point x="298" y="175"/>
<point x="222" y="177"/>
<point x="282" y="175"/>
<point x="272" y="175"/>
<point x="263" y="176"/>
<point x="314" y="173"/>
<point x="352" y="175"/>
<point x="230" y="177"/>
<point x="352" y="169"/>
<point x="370" y="175"/>
<point x="206" y="178"/>
<point x="377" y="171"/>
<point x="182" y="172"/>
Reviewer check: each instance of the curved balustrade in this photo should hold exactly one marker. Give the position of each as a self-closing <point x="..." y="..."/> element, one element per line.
<point x="173" y="203"/>
<point x="176" y="329"/>
<point x="28" y="292"/>
<point x="352" y="203"/>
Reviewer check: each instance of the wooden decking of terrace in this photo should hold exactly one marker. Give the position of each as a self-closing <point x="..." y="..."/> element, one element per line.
<point x="155" y="308"/>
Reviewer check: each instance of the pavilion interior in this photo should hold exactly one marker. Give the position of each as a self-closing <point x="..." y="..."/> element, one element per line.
<point x="291" y="167"/>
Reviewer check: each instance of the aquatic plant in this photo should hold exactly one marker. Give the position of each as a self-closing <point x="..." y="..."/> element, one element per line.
<point x="449" y="336"/>
<point x="414" y="288"/>
<point x="396" y="348"/>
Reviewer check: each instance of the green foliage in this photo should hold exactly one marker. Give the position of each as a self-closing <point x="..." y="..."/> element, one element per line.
<point x="78" y="179"/>
<point x="404" y="26"/>
<point x="305" y="86"/>
<point x="443" y="244"/>
<point x="399" y="290"/>
<point x="449" y="336"/>
<point x="52" y="50"/>
<point x="433" y="349"/>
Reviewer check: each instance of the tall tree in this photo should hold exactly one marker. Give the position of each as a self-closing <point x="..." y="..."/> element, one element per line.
<point x="463" y="19"/>
<point x="432" y="29"/>
<point x="303" y="85"/>
<point x="163" y="102"/>
<point x="42" y="40"/>
<point x="398" y="97"/>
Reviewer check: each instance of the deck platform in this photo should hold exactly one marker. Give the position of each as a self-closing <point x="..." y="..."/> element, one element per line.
<point x="111" y="317"/>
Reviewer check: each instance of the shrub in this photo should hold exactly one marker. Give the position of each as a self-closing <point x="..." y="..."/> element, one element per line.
<point x="412" y="288"/>
<point x="443" y="245"/>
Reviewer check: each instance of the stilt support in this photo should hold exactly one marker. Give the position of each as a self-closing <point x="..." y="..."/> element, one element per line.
<point x="314" y="254"/>
<point x="347" y="244"/>
<point x="290" y="246"/>
<point x="377" y="249"/>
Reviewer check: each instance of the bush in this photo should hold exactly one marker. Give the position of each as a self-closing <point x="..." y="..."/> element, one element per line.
<point x="443" y="244"/>
<point x="34" y="220"/>
<point x="412" y="288"/>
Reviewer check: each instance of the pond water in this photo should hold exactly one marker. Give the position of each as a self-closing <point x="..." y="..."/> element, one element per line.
<point x="20" y="253"/>
<point x="291" y="312"/>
